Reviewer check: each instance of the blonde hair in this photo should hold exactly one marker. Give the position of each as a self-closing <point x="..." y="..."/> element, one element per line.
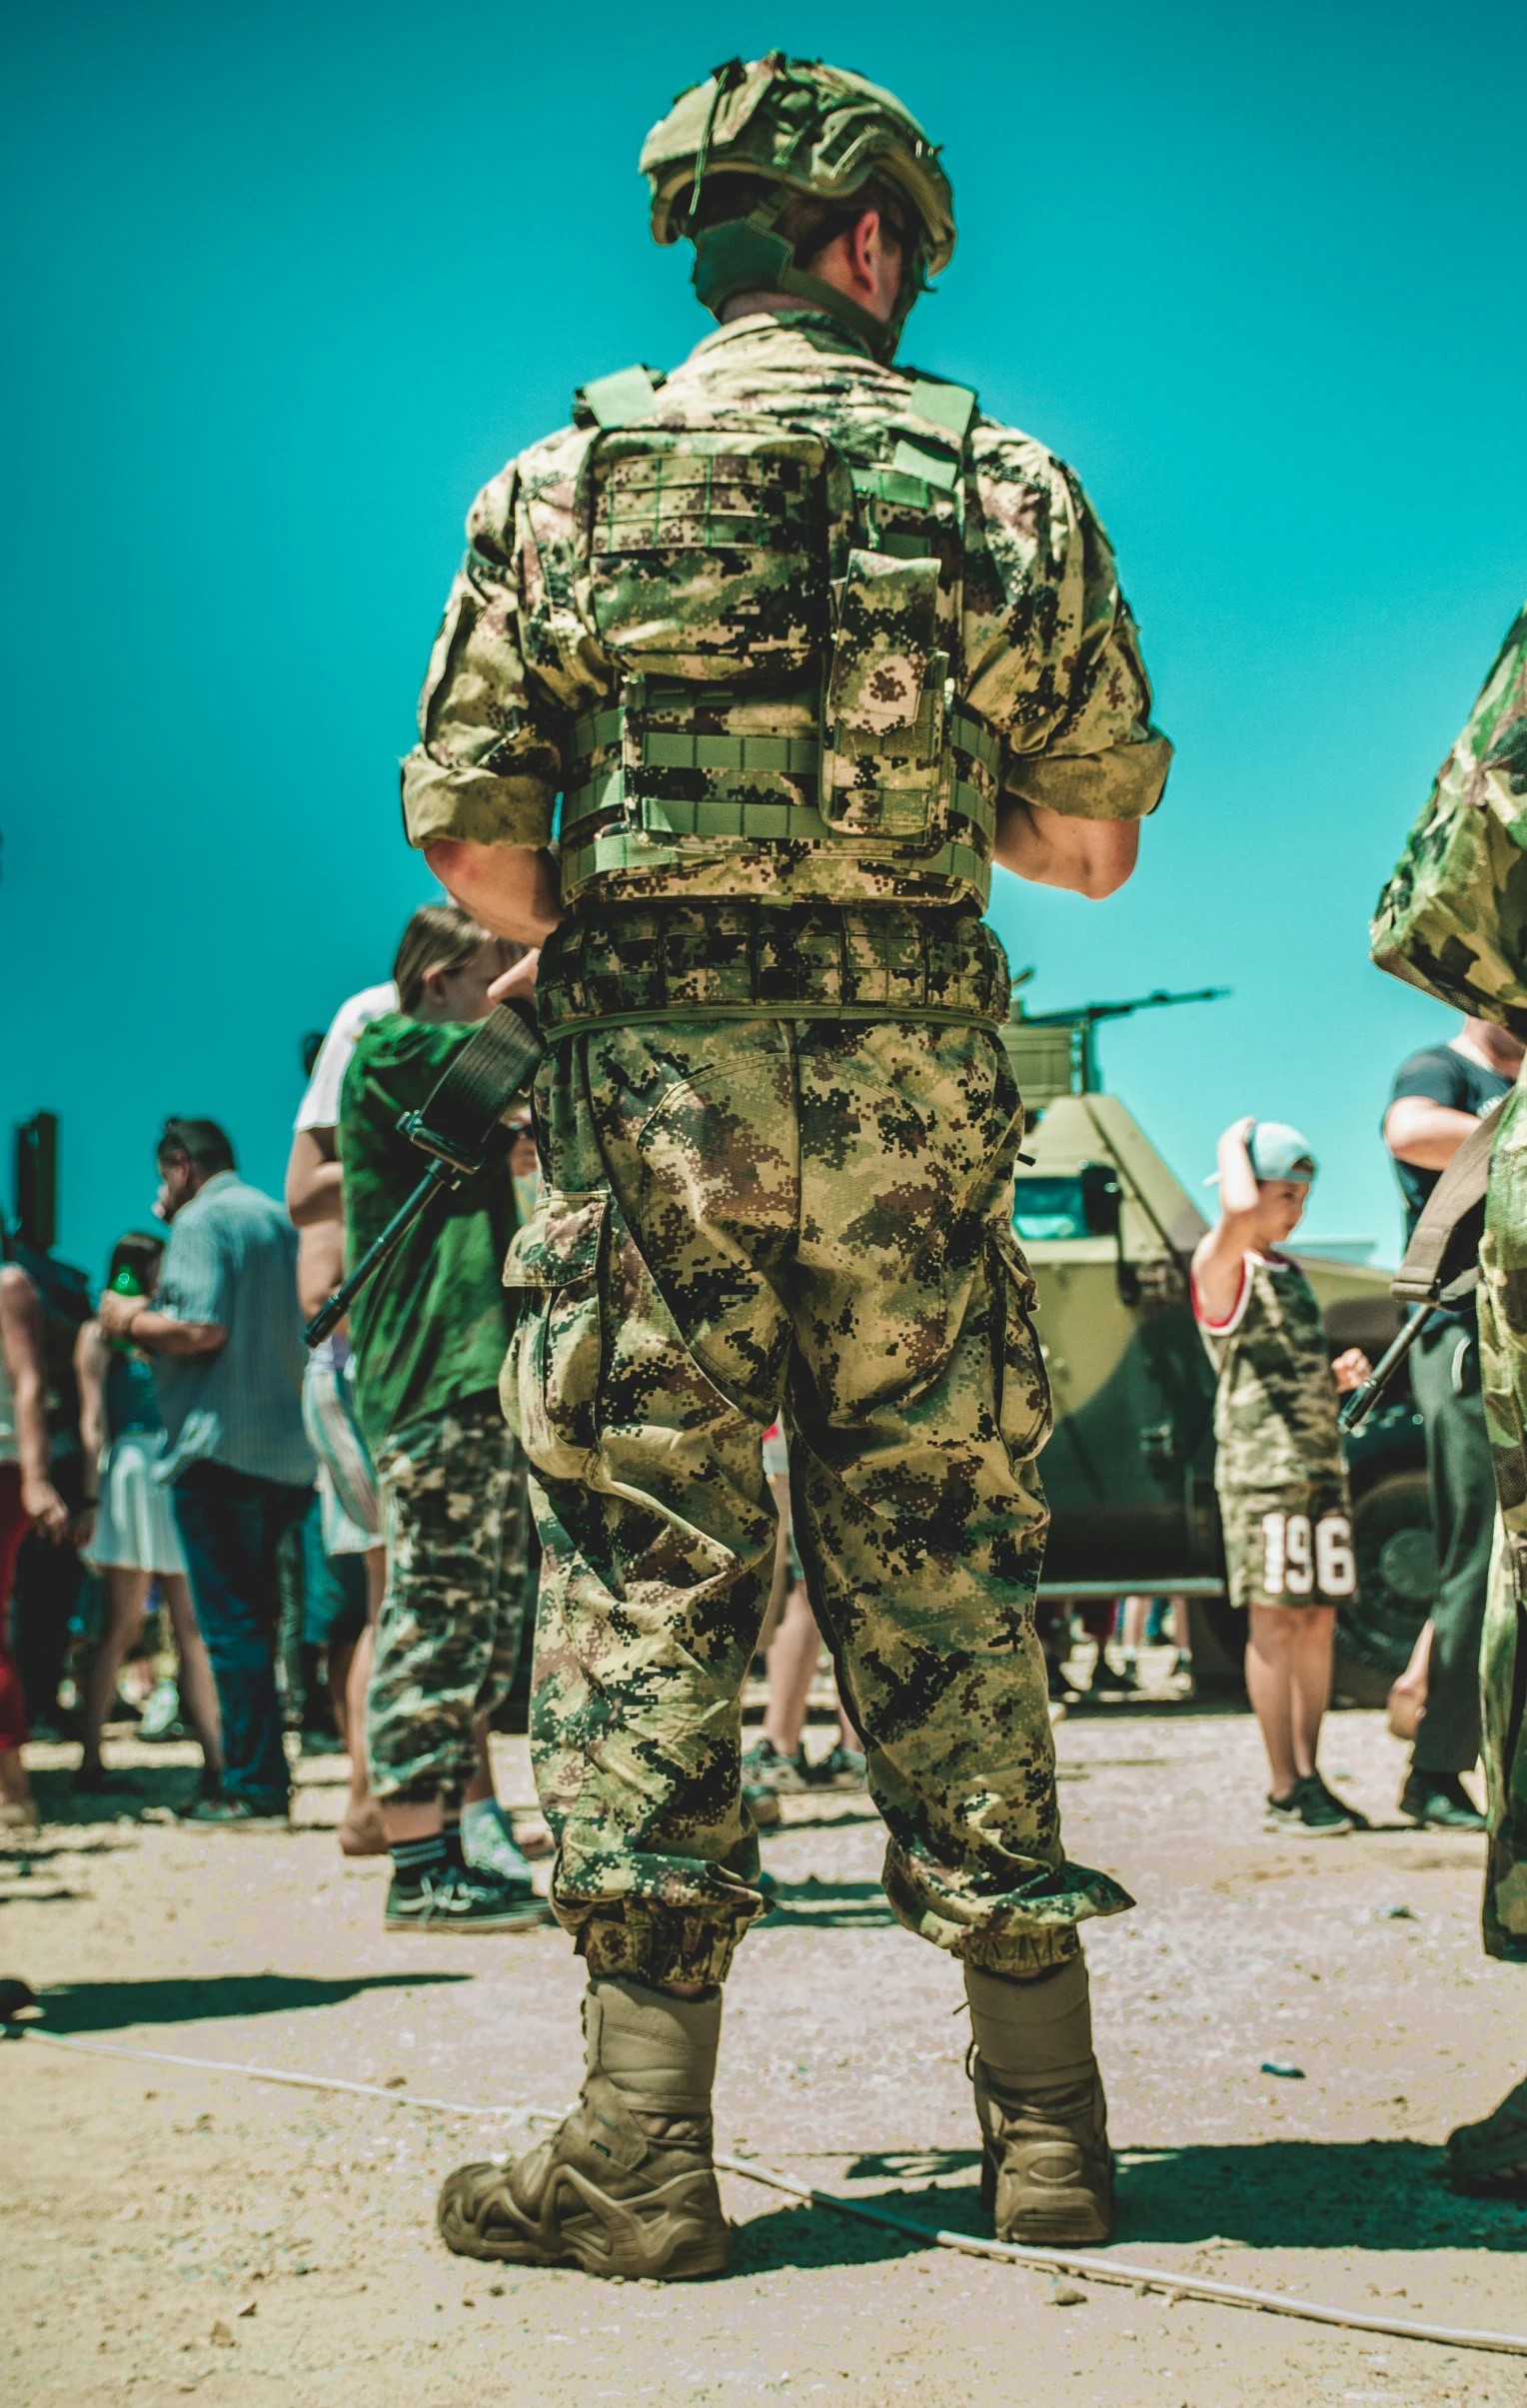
<point x="440" y="936"/>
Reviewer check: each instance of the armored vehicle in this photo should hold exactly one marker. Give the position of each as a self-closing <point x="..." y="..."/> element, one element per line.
<point x="1109" y="1232"/>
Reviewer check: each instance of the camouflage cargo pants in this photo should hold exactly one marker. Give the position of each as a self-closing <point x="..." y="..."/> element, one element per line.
<point x="1503" y="1657"/>
<point x="812" y="1219"/>
<point x="448" y="1638"/>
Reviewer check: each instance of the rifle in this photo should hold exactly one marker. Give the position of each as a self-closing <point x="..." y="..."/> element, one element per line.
<point x="1441" y="1265"/>
<point x="454" y="1127"/>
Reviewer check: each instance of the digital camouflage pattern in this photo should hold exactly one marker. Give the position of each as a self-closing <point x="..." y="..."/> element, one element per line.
<point x="820" y="130"/>
<point x="809" y="1221"/>
<point x="448" y="1638"/>
<point x="1275" y="1425"/>
<point x="1453" y="918"/>
<point x="1503" y="1374"/>
<point x="646" y="615"/>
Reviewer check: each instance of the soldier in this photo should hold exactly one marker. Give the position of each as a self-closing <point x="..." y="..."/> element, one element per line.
<point x="1451" y="921"/>
<point x="803" y="640"/>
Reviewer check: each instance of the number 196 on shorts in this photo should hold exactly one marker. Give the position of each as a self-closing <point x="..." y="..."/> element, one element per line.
<point x="1303" y="1559"/>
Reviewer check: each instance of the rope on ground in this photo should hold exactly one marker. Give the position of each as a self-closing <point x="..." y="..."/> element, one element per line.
<point x="1054" y="2261"/>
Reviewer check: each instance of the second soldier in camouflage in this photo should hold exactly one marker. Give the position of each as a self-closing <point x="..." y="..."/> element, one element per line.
<point x="803" y="640"/>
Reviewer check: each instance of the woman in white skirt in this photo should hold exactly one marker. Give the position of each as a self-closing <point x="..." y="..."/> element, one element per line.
<point x="135" y="1542"/>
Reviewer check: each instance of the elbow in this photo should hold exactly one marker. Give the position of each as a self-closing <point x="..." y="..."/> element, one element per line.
<point x="1109" y="858"/>
<point x="1102" y="879"/>
<point x="451" y="861"/>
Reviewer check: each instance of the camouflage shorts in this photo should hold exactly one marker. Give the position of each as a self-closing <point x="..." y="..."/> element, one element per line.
<point x="814" y="1220"/>
<point x="448" y="1638"/>
<point x="1288" y="1546"/>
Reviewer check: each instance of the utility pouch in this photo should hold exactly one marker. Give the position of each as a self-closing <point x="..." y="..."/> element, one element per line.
<point x="883" y="755"/>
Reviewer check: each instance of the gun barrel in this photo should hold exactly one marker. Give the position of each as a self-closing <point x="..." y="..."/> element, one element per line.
<point x="1362" y="1400"/>
<point x="1094" y="1012"/>
<point x="438" y="1178"/>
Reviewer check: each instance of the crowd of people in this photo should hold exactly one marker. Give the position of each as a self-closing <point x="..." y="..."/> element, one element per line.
<point x="203" y="1442"/>
<point x="188" y="1438"/>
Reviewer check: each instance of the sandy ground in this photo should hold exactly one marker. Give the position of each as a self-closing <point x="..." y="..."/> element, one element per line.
<point x="170" y="2231"/>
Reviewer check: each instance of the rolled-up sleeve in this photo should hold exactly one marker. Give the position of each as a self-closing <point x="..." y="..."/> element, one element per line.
<point x="487" y="767"/>
<point x="1052" y="651"/>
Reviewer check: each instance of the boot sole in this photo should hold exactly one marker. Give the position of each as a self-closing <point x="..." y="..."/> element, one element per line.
<point x="1042" y="2229"/>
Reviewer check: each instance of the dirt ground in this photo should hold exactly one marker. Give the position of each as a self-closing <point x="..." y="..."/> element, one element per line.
<point x="170" y="2231"/>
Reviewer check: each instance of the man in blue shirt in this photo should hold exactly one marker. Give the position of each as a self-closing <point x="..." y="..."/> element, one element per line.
<point x="226" y="1337"/>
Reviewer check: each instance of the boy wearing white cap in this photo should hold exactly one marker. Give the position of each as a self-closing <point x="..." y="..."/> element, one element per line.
<point x="1279" y="1470"/>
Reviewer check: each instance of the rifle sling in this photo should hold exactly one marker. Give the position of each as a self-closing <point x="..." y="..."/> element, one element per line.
<point x="466" y="1102"/>
<point x="1445" y="1241"/>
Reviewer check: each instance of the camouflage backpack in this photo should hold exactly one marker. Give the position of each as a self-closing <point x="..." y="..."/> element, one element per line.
<point x="1453" y="918"/>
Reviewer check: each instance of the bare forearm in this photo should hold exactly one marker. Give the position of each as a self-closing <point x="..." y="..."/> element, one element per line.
<point x="1425" y="1134"/>
<point x="508" y="890"/>
<point x="162" y="1334"/>
<point x="31" y="1409"/>
<point x="313" y="1180"/>
<point x="1092" y="857"/>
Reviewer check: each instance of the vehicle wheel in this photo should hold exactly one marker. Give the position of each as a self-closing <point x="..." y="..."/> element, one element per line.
<point x="1396" y="1586"/>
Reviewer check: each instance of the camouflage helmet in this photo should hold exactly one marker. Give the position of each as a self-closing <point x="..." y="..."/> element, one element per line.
<point x="802" y="128"/>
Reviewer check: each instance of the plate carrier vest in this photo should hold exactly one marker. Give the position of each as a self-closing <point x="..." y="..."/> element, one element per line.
<point x="783" y="617"/>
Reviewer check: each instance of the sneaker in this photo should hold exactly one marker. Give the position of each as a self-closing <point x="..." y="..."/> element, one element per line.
<point x="463" y="1899"/>
<point x="764" y="1768"/>
<point x="239" y="1813"/>
<point x="1282" y="1814"/>
<point x="1120" y="1681"/>
<point x="488" y="1844"/>
<point x="90" y="1780"/>
<point x="842" y="1769"/>
<point x="1439" y="1802"/>
<point x="161" y="1716"/>
<point x="1321" y="1817"/>
<point x="1360" y="1822"/>
<point x="762" y="1804"/>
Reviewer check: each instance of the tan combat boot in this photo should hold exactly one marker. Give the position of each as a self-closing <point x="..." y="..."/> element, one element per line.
<point x="625" y="2185"/>
<point x="1047" y="2169"/>
<point x="1491" y="2156"/>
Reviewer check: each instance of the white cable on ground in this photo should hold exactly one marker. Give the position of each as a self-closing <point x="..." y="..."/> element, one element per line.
<point x="1057" y="2261"/>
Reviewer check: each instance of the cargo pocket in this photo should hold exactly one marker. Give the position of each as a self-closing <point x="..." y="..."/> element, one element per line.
<point x="1023" y="1384"/>
<point x="551" y="1384"/>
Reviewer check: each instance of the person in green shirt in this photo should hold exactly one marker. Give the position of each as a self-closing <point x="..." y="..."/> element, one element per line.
<point x="429" y="1334"/>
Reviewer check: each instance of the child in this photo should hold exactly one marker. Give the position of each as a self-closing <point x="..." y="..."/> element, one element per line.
<point x="1279" y="1470"/>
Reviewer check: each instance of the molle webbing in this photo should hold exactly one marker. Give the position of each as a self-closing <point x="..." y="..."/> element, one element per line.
<point x="747" y="795"/>
<point x="741" y="960"/>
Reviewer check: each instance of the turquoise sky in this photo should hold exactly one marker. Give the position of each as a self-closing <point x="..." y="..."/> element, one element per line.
<point x="291" y="282"/>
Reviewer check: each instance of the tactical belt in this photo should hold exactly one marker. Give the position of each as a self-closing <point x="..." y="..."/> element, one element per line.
<point x="622" y="964"/>
<point x="598" y="818"/>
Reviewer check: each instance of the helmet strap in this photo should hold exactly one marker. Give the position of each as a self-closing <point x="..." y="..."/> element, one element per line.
<point x="745" y="255"/>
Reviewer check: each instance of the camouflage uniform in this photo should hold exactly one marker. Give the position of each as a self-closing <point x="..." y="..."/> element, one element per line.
<point x="784" y="630"/>
<point x="1279" y="1470"/>
<point x="448" y="1638"/>
<point x="1451" y="921"/>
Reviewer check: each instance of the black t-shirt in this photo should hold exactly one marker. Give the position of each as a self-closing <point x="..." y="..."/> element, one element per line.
<point x="1443" y="1076"/>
